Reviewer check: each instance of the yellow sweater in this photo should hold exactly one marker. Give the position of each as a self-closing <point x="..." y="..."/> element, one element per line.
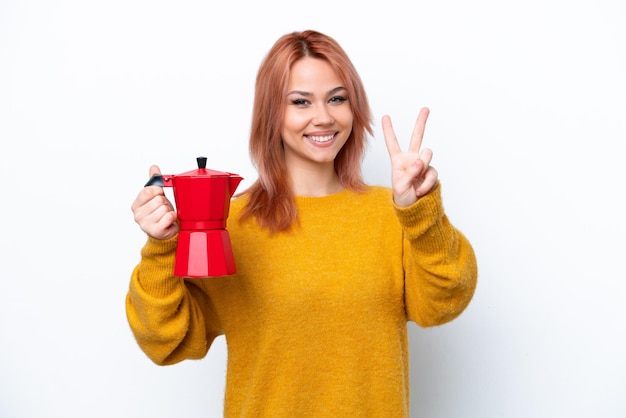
<point x="315" y="320"/>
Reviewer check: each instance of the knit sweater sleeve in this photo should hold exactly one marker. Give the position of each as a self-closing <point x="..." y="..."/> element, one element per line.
<point x="439" y="262"/>
<point x="172" y="319"/>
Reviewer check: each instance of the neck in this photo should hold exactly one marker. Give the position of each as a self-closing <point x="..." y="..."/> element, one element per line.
<point x="315" y="181"/>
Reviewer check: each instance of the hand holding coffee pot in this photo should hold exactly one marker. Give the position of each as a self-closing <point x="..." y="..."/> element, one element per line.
<point x="202" y="199"/>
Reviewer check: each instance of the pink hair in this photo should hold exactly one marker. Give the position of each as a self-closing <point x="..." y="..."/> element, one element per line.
<point x="271" y="200"/>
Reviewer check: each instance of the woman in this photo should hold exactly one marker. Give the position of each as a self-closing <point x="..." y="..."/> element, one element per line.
<point x="329" y="269"/>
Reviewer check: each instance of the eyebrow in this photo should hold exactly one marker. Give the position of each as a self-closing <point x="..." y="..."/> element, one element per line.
<point x="306" y="93"/>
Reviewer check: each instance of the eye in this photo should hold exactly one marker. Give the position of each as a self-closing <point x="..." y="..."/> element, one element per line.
<point x="338" y="99"/>
<point x="300" y="102"/>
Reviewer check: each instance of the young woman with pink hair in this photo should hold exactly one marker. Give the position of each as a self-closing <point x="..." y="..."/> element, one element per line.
<point x="329" y="269"/>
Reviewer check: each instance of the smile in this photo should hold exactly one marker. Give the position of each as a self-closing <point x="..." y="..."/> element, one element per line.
<point x="321" y="139"/>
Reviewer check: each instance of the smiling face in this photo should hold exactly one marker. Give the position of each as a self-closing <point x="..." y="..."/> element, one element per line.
<point x="318" y="116"/>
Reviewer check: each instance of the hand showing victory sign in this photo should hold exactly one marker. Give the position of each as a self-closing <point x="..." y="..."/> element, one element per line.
<point x="411" y="174"/>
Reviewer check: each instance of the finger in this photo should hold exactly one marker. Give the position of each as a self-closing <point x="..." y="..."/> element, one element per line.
<point x="390" y="137"/>
<point x="159" y="200"/>
<point x="161" y="227"/>
<point x="166" y="221"/>
<point x="144" y="196"/>
<point x="154" y="169"/>
<point x="428" y="183"/>
<point x="426" y="155"/>
<point x="156" y="214"/>
<point x="147" y="201"/>
<point x="405" y="186"/>
<point x="155" y="177"/>
<point x="418" y="130"/>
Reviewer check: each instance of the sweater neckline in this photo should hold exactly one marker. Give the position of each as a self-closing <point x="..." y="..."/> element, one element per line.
<point x="324" y="203"/>
<point x="328" y="197"/>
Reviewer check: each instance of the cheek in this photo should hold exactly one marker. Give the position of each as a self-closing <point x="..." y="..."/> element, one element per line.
<point x="345" y="119"/>
<point x="294" y="121"/>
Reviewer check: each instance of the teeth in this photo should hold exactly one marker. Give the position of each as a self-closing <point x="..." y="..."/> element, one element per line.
<point x="324" y="138"/>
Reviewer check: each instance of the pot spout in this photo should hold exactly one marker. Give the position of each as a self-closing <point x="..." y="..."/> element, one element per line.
<point x="234" y="181"/>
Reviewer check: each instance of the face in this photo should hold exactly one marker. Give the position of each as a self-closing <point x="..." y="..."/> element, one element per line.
<point x="318" y="117"/>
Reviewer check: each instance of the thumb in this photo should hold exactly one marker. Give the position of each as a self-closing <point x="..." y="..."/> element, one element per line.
<point x="154" y="169"/>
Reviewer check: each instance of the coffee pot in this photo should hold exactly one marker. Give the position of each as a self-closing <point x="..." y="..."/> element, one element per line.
<point x="202" y="200"/>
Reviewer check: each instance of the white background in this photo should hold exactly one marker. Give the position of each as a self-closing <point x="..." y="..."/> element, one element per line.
<point x="528" y="120"/>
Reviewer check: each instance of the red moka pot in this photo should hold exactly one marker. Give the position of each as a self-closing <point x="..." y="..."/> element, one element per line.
<point x="202" y="199"/>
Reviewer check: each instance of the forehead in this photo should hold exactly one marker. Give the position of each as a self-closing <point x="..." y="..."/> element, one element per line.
<point x="309" y="74"/>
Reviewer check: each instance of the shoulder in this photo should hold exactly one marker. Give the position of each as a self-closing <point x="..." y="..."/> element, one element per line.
<point x="379" y="192"/>
<point x="377" y="195"/>
<point x="238" y="202"/>
<point x="373" y="201"/>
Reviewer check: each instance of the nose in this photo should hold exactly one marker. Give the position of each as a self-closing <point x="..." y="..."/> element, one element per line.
<point x="323" y="116"/>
